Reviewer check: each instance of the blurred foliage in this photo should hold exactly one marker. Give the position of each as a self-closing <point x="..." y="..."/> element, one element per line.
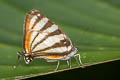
<point x="92" y="25"/>
<point x="115" y="3"/>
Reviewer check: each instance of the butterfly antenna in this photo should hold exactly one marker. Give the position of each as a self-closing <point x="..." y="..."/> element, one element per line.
<point x="18" y="59"/>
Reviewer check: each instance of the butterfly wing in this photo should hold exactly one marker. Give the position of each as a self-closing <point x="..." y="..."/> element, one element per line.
<point x="31" y="19"/>
<point x="44" y="38"/>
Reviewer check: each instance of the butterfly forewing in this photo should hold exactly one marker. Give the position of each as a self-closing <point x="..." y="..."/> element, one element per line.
<point x="43" y="37"/>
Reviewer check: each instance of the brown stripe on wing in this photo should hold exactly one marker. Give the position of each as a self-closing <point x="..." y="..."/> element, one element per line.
<point x="61" y="43"/>
<point x="37" y="20"/>
<point x="28" y="18"/>
<point x="57" y="32"/>
<point x="26" y="23"/>
<point x="33" y="13"/>
<point x="48" y="24"/>
<point x="67" y="42"/>
<point x="53" y="54"/>
<point x="33" y="40"/>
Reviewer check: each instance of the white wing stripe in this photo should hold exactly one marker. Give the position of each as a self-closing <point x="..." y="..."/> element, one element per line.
<point x="69" y="48"/>
<point x="41" y="23"/>
<point x="37" y="27"/>
<point x="49" y="42"/>
<point x="44" y="34"/>
<point x="52" y="28"/>
<point x="32" y="21"/>
<point x="38" y="38"/>
<point x="58" y="50"/>
<point x="33" y="34"/>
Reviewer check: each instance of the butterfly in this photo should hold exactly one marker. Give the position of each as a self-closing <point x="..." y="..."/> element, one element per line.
<point x="44" y="39"/>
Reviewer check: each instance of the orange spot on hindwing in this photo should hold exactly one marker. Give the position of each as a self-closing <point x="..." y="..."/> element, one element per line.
<point x="53" y="57"/>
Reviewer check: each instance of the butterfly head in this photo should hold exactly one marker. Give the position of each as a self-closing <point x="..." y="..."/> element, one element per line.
<point x="28" y="59"/>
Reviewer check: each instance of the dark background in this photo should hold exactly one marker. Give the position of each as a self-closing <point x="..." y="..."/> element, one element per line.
<point x="106" y="71"/>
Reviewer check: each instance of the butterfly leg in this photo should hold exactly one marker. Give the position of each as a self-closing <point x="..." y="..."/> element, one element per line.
<point x="80" y="62"/>
<point x="58" y="63"/>
<point x="69" y="62"/>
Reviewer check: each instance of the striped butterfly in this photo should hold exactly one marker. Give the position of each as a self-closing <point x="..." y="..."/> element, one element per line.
<point x="44" y="39"/>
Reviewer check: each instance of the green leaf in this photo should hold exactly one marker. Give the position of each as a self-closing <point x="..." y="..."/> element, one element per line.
<point x="92" y="25"/>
